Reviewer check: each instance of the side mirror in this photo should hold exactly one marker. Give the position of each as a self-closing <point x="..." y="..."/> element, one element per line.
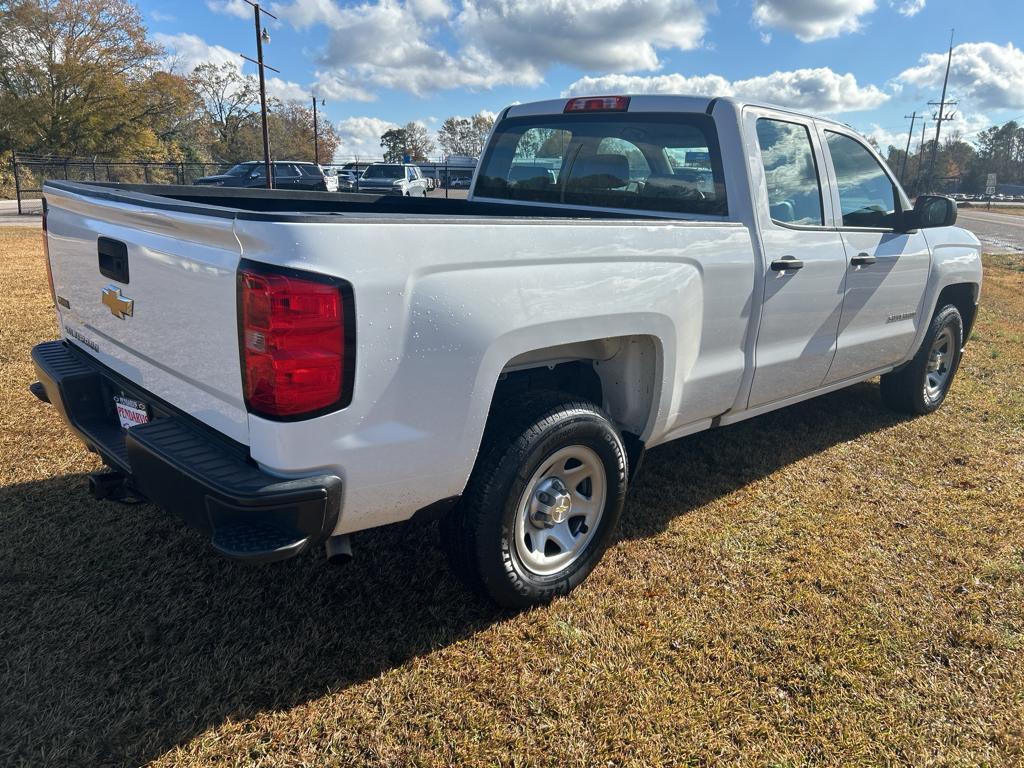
<point x="932" y="211"/>
<point x="254" y="174"/>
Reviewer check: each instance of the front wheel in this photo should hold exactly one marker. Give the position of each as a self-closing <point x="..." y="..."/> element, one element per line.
<point x="543" y="501"/>
<point x="921" y="386"/>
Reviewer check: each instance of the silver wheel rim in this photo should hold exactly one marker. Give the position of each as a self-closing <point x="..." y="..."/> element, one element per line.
<point x="560" y="511"/>
<point x="939" y="367"/>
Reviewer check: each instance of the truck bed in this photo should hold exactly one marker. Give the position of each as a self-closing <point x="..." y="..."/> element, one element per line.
<point x="446" y="295"/>
<point x="261" y="203"/>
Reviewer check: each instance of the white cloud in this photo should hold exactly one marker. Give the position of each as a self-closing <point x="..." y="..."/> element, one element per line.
<point x="813" y="90"/>
<point x="330" y="86"/>
<point x="186" y="52"/>
<point x="887" y="138"/>
<point x="406" y="44"/>
<point x="159" y="16"/>
<point x="286" y="90"/>
<point x="360" y="136"/>
<point x="812" y="20"/>
<point x="237" y="8"/>
<point x="588" y="34"/>
<point x="389" y="44"/>
<point x="982" y="75"/>
<point x="910" y="7"/>
<point x="430" y="9"/>
<point x="305" y="13"/>
<point x="968" y="126"/>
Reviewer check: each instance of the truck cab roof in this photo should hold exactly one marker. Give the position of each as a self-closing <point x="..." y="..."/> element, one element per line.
<point x="643" y="102"/>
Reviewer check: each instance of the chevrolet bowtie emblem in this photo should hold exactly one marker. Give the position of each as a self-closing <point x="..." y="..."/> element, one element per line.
<point x="120" y="307"/>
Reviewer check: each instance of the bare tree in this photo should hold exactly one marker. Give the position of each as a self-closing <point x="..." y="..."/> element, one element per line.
<point x="229" y="101"/>
<point x="465" y="136"/>
<point x="412" y="140"/>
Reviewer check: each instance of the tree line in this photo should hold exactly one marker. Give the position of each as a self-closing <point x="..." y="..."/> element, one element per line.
<point x="457" y="136"/>
<point x="961" y="166"/>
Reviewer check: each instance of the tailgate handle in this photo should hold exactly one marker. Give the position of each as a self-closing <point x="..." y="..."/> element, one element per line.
<point x="113" y="259"/>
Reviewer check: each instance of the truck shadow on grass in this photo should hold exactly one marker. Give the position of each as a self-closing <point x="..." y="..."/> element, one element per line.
<point x="124" y="636"/>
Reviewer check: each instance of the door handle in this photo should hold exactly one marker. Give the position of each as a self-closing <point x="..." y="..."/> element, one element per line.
<point x="862" y="260"/>
<point x="786" y="262"/>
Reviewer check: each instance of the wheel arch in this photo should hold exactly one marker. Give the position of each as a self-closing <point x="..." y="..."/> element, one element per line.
<point x="621" y="374"/>
<point x="963" y="296"/>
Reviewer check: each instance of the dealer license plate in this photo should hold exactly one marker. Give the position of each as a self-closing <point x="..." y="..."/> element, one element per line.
<point x="130" y="412"/>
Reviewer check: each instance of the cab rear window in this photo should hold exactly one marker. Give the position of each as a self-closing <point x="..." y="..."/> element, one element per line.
<point x="654" y="162"/>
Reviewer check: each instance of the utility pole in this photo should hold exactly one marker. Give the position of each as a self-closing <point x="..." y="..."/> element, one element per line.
<point x="941" y="114"/>
<point x="919" y="181"/>
<point x="261" y="37"/>
<point x="906" y="153"/>
<point x="316" y="133"/>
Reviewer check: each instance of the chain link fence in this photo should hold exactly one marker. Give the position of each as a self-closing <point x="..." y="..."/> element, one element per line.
<point x="29" y="171"/>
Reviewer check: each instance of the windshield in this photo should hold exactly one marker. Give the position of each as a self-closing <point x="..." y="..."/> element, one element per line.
<point x="384" y="172"/>
<point x="242" y="169"/>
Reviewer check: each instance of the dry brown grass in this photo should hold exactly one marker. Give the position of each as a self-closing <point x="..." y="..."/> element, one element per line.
<point x="1013" y="210"/>
<point x="826" y="585"/>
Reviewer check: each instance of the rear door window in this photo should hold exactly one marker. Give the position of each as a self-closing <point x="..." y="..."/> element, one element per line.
<point x="794" y="190"/>
<point x="648" y="161"/>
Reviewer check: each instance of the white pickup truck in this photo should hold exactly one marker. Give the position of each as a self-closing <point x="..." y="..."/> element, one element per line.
<point x="283" y="369"/>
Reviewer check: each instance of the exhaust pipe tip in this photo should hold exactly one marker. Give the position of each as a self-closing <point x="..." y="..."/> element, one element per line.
<point x="338" y="549"/>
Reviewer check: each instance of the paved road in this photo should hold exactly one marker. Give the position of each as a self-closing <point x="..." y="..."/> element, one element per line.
<point x="998" y="232"/>
<point x="9" y="213"/>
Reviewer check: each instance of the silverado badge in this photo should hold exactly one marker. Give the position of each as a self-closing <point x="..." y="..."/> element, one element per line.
<point x="120" y="307"/>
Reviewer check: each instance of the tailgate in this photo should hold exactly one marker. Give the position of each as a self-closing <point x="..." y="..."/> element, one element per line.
<point x="150" y="292"/>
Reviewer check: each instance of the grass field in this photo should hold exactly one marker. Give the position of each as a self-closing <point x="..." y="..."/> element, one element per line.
<point x="831" y="584"/>
<point x="1013" y="210"/>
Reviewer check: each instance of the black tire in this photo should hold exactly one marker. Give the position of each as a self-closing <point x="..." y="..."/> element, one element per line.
<point x="904" y="390"/>
<point x="479" y="535"/>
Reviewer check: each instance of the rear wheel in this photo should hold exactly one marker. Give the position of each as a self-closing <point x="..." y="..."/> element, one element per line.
<point x="921" y="386"/>
<point x="542" y="504"/>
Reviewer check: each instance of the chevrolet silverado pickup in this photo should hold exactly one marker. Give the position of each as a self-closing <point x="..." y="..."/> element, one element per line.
<point x="283" y="369"/>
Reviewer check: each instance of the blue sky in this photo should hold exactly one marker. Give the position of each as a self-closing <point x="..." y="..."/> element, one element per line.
<point x="382" y="62"/>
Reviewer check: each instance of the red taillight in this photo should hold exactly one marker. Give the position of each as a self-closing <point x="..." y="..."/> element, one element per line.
<point x="598" y="104"/>
<point x="46" y="258"/>
<point x="294" y="340"/>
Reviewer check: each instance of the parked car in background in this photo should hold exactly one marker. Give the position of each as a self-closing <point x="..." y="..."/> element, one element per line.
<point x="288" y="174"/>
<point x="393" y="179"/>
<point x="459" y="182"/>
<point x="348" y="180"/>
<point x="330" y="178"/>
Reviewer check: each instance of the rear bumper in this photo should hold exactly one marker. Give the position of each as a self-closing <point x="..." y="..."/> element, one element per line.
<point x="180" y="464"/>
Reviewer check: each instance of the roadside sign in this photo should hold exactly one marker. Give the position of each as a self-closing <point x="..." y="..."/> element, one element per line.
<point x="990" y="184"/>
